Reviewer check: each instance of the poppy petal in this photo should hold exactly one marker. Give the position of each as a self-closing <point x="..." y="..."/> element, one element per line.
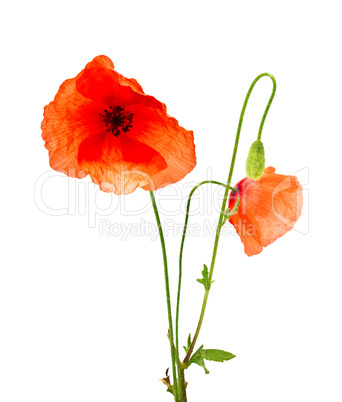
<point x="91" y="127"/>
<point x="158" y="130"/>
<point x="272" y="204"/>
<point x="63" y="133"/>
<point x="119" y="164"/>
<point x="101" y="83"/>
<point x="280" y="204"/>
<point x="248" y="233"/>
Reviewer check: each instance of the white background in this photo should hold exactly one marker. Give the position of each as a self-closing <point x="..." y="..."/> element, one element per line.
<point x="83" y="315"/>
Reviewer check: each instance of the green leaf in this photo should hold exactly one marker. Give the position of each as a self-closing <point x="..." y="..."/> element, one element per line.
<point x="198" y="352"/>
<point x="198" y="359"/>
<point x="200" y="362"/>
<point x="216" y="355"/>
<point x="205" y="278"/>
<point x="189" y="341"/>
<point x="186" y="348"/>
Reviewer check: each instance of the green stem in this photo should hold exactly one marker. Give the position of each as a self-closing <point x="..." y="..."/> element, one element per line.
<point x="168" y="299"/>
<point x="182" y="390"/>
<point x="225" y="198"/>
<point x="182" y="384"/>
<point x="269" y="101"/>
<point x="181" y="252"/>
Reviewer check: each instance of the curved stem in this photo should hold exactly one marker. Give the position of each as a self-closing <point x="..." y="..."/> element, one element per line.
<point x="225" y="198"/>
<point x="269" y="101"/>
<point x="181" y="251"/>
<point x="168" y="299"/>
<point x="181" y="372"/>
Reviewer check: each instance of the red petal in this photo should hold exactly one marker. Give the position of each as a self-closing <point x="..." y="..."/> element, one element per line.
<point x="119" y="164"/>
<point x="248" y="233"/>
<point x="101" y="83"/>
<point x="68" y="121"/>
<point x="156" y="152"/>
<point x="272" y="204"/>
<point x="158" y="130"/>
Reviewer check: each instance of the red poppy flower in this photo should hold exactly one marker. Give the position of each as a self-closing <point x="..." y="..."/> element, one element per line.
<point x="102" y="124"/>
<point x="269" y="207"/>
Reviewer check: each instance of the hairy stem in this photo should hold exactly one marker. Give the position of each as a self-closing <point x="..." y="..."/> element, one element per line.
<point x="168" y="298"/>
<point x="182" y="387"/>
<point x="225" y="198"/>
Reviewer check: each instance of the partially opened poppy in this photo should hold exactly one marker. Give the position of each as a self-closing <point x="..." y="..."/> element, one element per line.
<point x="269" y="208"/>
<point x="102" y="124"/>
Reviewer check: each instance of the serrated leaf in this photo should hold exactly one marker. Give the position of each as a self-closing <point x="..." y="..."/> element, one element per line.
<point x="197" y="358"/>
<point x="196" y="355"/>
<point x="200" y="362"/>
<point x="216" y="355"/>
<point x="198" y="351"/>
<point x="205" y="278"/>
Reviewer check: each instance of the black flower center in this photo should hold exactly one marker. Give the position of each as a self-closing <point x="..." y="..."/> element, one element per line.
<point x="117" y="120"/>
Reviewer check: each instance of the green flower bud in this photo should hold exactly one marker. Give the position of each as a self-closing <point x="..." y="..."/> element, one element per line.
<point x="255" y="164"/>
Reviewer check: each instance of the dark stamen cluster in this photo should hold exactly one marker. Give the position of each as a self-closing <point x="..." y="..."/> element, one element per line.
<point x="117" y="120"/>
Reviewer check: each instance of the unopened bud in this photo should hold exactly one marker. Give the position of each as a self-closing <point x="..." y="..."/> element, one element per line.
<point x="255" y="164"/>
